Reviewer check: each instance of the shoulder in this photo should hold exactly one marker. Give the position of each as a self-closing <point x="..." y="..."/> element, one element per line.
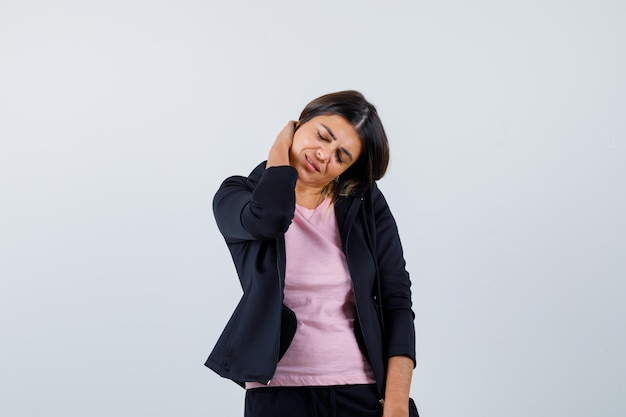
<point x="370" y="199"/>
<point x="376" y="199"/>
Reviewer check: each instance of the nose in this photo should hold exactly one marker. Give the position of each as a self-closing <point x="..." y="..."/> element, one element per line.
<point x="322" y="154"/>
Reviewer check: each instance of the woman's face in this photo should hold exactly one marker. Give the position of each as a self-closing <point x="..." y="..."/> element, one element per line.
<point x="323" y="148"/>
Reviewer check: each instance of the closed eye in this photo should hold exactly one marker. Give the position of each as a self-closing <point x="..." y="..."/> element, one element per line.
<point x="322" y="138"/>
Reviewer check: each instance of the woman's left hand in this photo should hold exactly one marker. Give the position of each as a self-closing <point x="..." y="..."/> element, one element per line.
<point x="399" y="371"/>
<point x="396" y="411"/>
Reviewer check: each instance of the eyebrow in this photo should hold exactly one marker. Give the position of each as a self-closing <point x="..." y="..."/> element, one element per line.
<point x="332" y="135"/>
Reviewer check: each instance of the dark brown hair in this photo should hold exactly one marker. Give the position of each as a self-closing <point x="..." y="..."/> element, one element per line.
<point x="362" y="115"/>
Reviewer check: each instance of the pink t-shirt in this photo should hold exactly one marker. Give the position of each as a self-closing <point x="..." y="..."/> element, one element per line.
<point x="318" y="289"/>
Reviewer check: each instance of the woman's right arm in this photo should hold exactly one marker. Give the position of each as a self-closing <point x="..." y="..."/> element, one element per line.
<point x="265" y="210"/>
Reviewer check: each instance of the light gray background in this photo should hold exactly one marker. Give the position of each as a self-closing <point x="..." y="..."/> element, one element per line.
<point x="119" y="119"/>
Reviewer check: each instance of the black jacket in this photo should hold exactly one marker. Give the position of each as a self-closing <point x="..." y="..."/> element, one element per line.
<point x="253" y="214"/>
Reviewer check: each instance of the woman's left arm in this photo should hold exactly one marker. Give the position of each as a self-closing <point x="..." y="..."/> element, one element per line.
<point x="395" y="288"/>
<point x="395" y="285"/>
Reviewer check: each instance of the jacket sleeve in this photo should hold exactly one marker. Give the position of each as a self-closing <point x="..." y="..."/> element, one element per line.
<point x="395" y="284"/>
<point x="262" y="211"/>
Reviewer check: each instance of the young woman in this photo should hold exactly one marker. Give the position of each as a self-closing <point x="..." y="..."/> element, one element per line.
<point x="325" y="325"/>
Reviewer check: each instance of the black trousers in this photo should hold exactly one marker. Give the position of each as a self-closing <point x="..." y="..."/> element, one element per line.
<point x="331" y="401"/>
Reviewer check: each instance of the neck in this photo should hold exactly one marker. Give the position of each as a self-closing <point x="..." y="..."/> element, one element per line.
<point x="309" y="197"/>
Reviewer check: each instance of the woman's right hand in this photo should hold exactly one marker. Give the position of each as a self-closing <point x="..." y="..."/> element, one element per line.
<point x="279" y="153"/>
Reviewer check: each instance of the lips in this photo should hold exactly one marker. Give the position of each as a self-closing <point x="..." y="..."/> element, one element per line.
<point x="313" y="165"/>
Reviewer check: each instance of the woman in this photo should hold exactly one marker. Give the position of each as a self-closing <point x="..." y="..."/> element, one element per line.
<point x="325" y="325"/>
